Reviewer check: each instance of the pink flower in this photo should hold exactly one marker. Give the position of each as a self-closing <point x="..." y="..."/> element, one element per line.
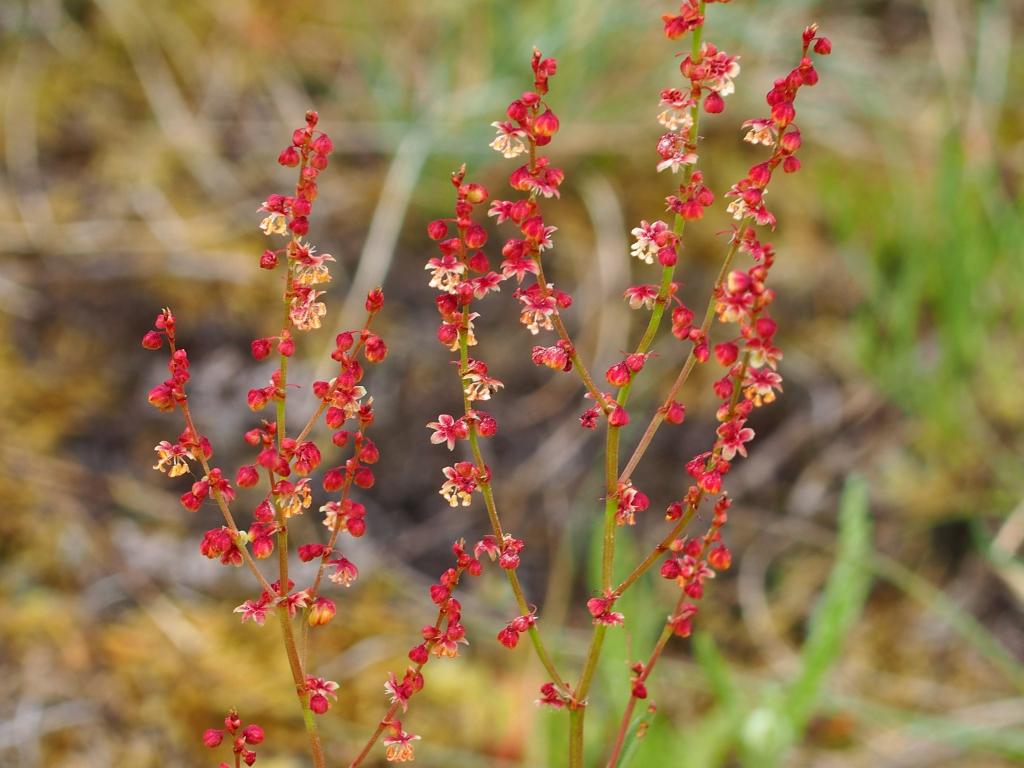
<point x="256" y="611"/>
<point x="448" y="430"/>
<point x="398" y="743"/>
<point x="731" y="438"/>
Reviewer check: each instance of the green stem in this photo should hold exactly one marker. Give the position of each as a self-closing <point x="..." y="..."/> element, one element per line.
<point x="576" y="721"/>
<point x="492" y="512"/>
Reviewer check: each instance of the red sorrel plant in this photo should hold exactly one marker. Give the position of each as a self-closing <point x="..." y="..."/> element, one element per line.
<point x="740" y="298"/>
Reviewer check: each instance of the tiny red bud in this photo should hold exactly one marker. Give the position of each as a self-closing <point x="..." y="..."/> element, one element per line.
<point x="823" y="46"/>
<point x="321" y="612"/>
<point x="618" y="375"/>
<point x="714" y="103"/>
<point x="323" y="144"/>
<point x="791" y="164"/>
<point x="691" y="210"/>
<point x="437" y="230"/>
<point x="268" y="260"/>
<point x="726" y="353"/>
<point x="286" y="346"/>
<point x="261" y="349"/>
<point x="675" y="413"/>
<point x="737" y="282"/>
<point x="546" y="124"/>
<point x="363" y="478"/>
<point x="720" y="558"/>
<point x="476" y="236"/>
<point x="152" y="340"/>
<point x="247" y="477"/>
<point x="790" y="142"/>
<point x="213" y="738"/>
<point x="618" y="417"/>
<point x="289" y="158"/>
<point x="375" y="300"/>
<point x="334" y="480"/>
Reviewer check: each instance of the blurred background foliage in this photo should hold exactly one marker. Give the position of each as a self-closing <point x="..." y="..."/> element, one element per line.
<point x="138" y="139"/>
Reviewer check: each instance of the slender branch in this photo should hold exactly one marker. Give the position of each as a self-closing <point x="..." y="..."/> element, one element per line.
<point x="576" y="720"/>
<point x="386" y="720"/>
<point x="223" y="504"/>
<point x="691" y="360"/>
<point x="492" y="509"/>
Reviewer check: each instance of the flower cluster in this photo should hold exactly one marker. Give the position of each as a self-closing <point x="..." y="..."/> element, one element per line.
<point x="241" y="738"/>
<point x="285" y="465"/>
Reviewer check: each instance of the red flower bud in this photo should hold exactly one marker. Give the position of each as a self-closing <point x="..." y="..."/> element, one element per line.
<point x="476" y="193"/>
<point x="299" y="225"/>
<point x="701" y="352"/>
<point x="720" y="558"/>
<point x="508" y="637"/>
<point x="790" y="142"/>
<point x="726" y="353"/>
<point x="419" y="654"/>
<point x="247" y="477"/>
<point x="618" y="375"/>
<point x="262" y="547"/>
<point x="213" y="738"/>
<point x="447" y="333"/>
<point x="323" y="144"/>
<point x="546" y="124"/>
<point x="823" y="46"/>
<point x="691" y="210"/>
<point x="319" y="162"/>
<point x="765" y="327"/>
<point x="152" y="340"/>
<point x="760" y="175"/>
<point x="363" y="478"/>
<point x="334" y="480"/>
<point x="191" y="502"/>
<point x="318" y="703"/>
<point x="682" y="316"/>
<point x="671" y="569"/>
<point x="162" y="397"/>
<point x="286" y="346"/>
<point x="791" y="164"/>
<point x="375" y="349"/>
<point x="737" y="282"/>
<point x="710" y="482"/>
<point x="258" y="399"/>
<point x="635" y="363"/>
<point x="783" y="113"/>
<point x="675" y="413"/>
<point x="714" y="103"/>
<point x="618" y="417"/>
<point x="667" y="256"/>
<point x="437" y="230"/>
<point x="375" y="300"/>
<point x="321" y="612"/>
<point x="476" y="236"/>
<point x="253" y="734"/>
<point x="517" y="111"/>
<point x="301" y="206"/>
<point x="268" y="260"/>
<point x="369" y="454"/>
<point x="289" y="158"/>
<point x="261" y="349"/>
